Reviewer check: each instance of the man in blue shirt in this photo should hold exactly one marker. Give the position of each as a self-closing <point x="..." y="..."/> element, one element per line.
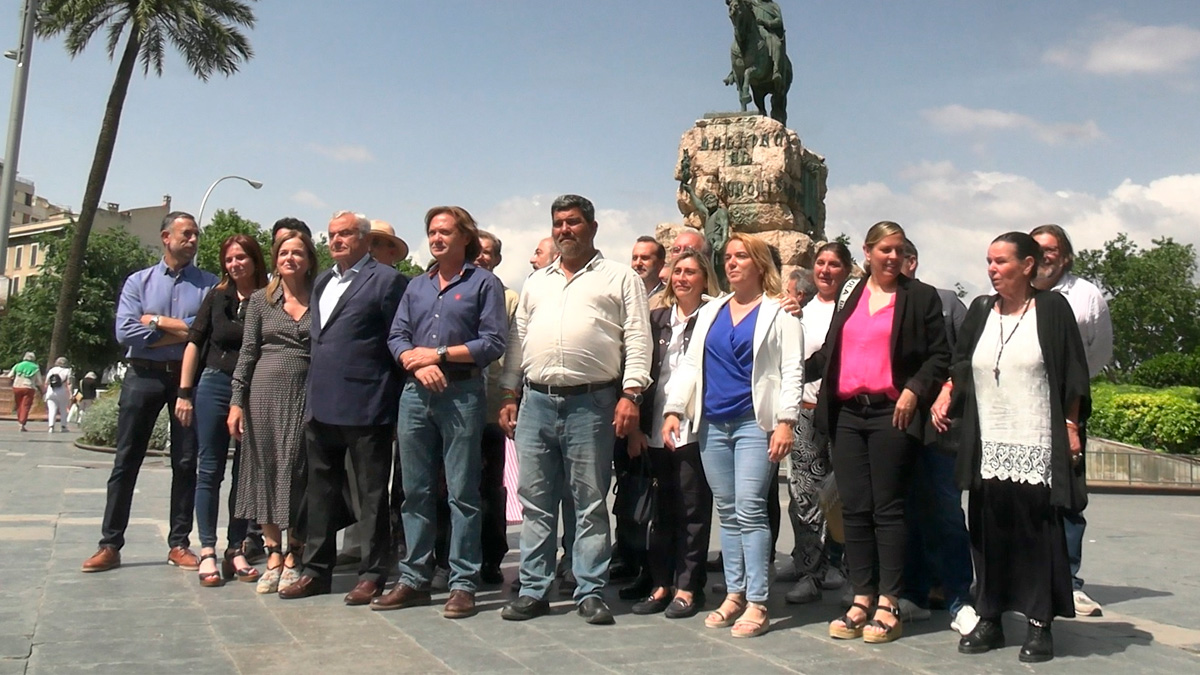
<point x="451" y="323"/>
<point x="156" y="308"/>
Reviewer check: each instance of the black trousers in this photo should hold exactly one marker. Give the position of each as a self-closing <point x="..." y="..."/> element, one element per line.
<point x="682" y="520"/>
<point x="872" y="461"/>
<point x="370" y="451"/>
<point x="143" y="395"/>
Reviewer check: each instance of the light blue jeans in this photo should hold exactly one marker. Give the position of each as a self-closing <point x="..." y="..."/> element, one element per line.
<point x="565" y="441"/>
<point x="734" y="455"/>
<point x="436" y="428"/>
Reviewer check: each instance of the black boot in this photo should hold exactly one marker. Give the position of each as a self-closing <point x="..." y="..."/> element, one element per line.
<point x="1039" y="644"/>
<point x="988" y="635"/>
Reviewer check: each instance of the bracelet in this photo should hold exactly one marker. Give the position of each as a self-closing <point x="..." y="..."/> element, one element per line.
<point x="185" y="393"/>
<point x="508" y="395"/>
<point x="948" y="385"/>
<point x="1072" y="425"/>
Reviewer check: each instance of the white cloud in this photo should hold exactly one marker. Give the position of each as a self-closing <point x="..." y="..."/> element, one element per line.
<point x="307" y="198"/>
<point x="343" y="153"/>
<point x="952" y="215"/>
<point x="959" y="119"/>
<point x="521" y="222"/>
<point x="1120" y="48"/>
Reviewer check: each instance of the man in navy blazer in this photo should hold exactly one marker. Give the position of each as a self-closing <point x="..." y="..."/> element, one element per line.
<point x="353" y="395"/>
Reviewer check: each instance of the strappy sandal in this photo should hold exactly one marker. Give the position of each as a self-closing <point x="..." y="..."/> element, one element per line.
<point x="248" y="574"/>
<point x="890" y="633"/>
<point x="210" y="579"/>
<point x="719" y="619"/>
<point x="291" y="573"/>
<point x="748" y="628"/>
<point x="850" y="629"/>
<point x="269" y="581"/>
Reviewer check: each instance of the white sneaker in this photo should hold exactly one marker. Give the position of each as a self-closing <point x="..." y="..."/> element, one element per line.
<point x="910" y="611"/>
<point x="1086" y="606"/>
<point x="965" y="620"/>
<point x="786" y="571"/>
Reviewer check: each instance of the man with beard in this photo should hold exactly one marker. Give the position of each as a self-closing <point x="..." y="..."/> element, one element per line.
<point x="648" y="259"/>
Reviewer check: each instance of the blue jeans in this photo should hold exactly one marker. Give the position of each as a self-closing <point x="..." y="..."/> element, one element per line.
<point x="565" y="441"/>
<point x="936" y="525"/>
<point x="1074" y="524"/>
<point x="734" y="455"/>
<point x="211" y="410"/>
<point x="442" y="429"/>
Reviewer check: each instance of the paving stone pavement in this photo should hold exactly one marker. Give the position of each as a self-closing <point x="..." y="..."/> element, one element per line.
<point x="148" y="617"/>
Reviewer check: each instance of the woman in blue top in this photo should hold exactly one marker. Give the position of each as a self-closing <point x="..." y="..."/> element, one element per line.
<point x="739" y="386"/>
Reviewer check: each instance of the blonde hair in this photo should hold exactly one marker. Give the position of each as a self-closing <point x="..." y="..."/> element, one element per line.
<point x="878" y="232"/>
<point x="760" y="254"/>
<point x="309" y="250"/>
<point x="706" y="267"/>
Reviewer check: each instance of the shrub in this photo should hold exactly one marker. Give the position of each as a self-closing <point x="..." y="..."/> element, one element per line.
<point x="1163" y="419"/>
<point x="1168" y="370"/>
<point x="100" y="423"/>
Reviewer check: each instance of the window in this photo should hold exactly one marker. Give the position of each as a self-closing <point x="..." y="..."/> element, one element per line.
<point x="17" y="263"/>
<point x="33" y="255"/>
<point x="16" y="285"/>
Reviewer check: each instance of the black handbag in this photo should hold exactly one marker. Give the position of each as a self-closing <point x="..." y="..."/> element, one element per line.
<point x="635" y="504"/>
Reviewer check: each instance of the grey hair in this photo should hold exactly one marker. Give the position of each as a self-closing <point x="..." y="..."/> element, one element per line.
<point x="60" y="361"/>
<point x="803" y="279"/>
<point x="568" y="202"/>
<point x="496" y="243"/>
<point x="169" y="219"/>
<point x="361" y="221"/>
<point x="29" y="356"/>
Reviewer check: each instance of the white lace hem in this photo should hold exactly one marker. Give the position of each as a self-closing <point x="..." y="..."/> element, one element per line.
<point x="1016" y="462"/>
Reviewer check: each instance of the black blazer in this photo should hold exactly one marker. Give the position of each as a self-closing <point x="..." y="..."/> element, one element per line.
<point x="352" y="379"/>
<point x="920" y="353"/>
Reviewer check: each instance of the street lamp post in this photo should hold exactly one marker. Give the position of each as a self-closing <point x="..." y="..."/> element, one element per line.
<point x="256" y="184"/>
<point x="16" y="119"/>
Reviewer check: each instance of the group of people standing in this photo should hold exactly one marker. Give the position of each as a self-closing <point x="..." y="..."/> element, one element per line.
<point x="888" y="384"/>
<point x="59" y="389"/>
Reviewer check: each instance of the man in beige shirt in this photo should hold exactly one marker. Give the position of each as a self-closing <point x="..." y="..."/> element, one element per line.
<point x="580" y="345"/>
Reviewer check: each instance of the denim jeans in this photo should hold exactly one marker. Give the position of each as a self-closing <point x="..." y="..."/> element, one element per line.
<point x="211" y="410"/>
<point x="740" y="473"/>
<point x="1074" y="524"/>
<point x="938" y="543"/>
<point x="565" y="440"/>
<point x="436" y="429"/>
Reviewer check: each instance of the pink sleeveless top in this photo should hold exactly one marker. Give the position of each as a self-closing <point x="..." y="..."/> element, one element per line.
<point x="866" y="354"/>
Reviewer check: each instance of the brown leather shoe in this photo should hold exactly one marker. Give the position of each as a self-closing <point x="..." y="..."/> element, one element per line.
<point x="460" y="605"/>
<point x="363" y="592"/>
<point x="306" y="587"/>
<point x="401" y="596"/>
<point x="106" y="558"/>
<point x="183" y="558"/>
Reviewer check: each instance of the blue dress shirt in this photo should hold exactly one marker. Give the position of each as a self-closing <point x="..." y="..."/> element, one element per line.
<point x="159" y="290"/>
<point x="468" y="311"/>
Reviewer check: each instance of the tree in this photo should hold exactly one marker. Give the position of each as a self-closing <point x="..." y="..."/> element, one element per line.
<point x="112" y="255"/>
<point x="1152" y="297"/>
<point x="206" y="32"/>
<point x="224" y="224"/>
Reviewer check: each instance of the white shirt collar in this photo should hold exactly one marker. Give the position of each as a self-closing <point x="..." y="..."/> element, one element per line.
<point x="355" y="269"/>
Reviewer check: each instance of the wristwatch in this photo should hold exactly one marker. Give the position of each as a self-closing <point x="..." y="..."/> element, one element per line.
<point x="443" y="353"/>
<point x="154" y="321"/>
<point x="635" y="398"/>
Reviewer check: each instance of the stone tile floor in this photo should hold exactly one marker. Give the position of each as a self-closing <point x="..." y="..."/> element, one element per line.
<point x="148" y="617"/>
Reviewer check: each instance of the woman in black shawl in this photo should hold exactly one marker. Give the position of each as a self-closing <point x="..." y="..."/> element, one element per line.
<point x="1019" y="387"/>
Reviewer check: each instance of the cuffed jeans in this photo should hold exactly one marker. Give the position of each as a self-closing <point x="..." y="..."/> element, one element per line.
<point x="435" y="429"/>
<point x="211" y="410"/>
<point x="565" y="440"/>
<point x="938" y="543"/>
<point x="740" y="473"/>
<point x="1074" y="525"/>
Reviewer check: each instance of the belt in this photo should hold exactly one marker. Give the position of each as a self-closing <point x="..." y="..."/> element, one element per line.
<point x="459" y="375"/>
<point x="808" y="406"/>
<point x="164" y="366"/>
<point x="867" y="400"/>
<point x="570" y="390"/>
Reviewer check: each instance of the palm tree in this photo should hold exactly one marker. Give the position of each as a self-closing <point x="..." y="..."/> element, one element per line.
<point x="206" y="32"/>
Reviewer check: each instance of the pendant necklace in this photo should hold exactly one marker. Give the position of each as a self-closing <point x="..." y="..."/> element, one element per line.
<point x="1004" y="340"/>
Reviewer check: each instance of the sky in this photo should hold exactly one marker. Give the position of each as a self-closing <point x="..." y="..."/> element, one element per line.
<point x="959" y="120"/>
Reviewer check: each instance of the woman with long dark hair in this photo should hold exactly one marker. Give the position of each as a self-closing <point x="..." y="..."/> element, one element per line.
<point x="214" y="342"/>
<point x="1019" y="384"/>
<point x="884" y="358"/>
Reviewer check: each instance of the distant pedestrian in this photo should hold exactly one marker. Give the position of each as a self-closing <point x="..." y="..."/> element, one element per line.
<point x="59" y="381"/>
<point x="27" y="380"/>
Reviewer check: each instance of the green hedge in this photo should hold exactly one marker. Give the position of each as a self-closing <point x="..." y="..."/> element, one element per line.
<point x="1159" y="419"/>
<point x="100" y="423"/>
<point x="1168" y="370"/>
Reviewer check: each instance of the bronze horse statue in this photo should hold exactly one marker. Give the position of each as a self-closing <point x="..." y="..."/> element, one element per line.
<point x="760" y="62"/>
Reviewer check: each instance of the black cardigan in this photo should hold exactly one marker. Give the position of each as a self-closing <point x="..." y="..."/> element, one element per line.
<point x="1067" y="372"/>
<point x="920" y="353"/>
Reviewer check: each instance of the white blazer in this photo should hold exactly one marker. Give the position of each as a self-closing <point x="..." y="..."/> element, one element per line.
<point x="776" y="378"/>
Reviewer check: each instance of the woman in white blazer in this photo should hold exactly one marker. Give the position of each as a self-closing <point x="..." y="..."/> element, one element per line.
<point x="739" y="387"/>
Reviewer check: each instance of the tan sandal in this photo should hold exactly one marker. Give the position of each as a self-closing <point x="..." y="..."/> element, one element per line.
<point x="890" y="633"/>
<point x="748" y="628"/>
<point x="850" y="629"/>
<point x="719" y="619"/>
